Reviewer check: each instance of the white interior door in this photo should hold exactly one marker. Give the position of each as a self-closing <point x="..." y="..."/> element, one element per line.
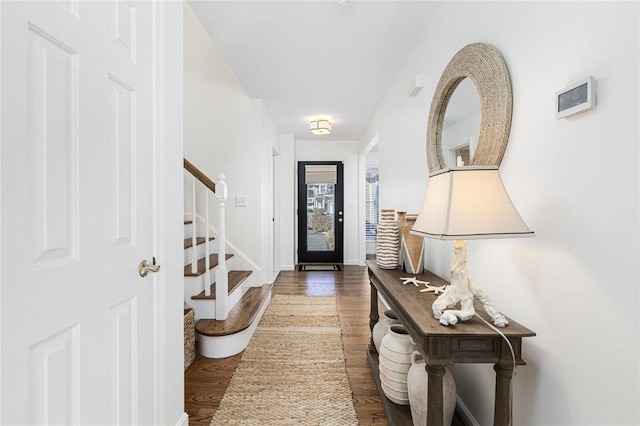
<point x="77" y="198"/>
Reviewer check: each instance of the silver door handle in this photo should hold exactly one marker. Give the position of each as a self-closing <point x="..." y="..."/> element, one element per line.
<point x="341" y="220"/>
<point x="145" y="267"/>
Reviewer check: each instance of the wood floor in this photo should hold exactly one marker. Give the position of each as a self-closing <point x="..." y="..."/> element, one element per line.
<point x="206" y="380"/>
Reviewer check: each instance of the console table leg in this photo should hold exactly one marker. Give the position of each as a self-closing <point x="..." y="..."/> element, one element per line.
<point x="373" y="314"/>
<point x="435" y="399"/>
<point x="502" y="409"/>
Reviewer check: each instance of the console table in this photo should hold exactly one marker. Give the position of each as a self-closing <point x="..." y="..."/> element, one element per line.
<point x="466" y="342"/>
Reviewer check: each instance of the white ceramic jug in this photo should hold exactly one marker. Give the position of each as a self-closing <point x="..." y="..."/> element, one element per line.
<point x="380" y="329"/>
<point x="394" y="362"/>
<point x="417" y="384"/>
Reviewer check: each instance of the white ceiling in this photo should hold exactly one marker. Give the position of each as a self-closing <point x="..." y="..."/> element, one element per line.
<point x="308" y="59"/>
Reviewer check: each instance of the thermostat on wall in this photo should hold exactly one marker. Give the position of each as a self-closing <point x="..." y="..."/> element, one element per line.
<point x="575" y="98"/>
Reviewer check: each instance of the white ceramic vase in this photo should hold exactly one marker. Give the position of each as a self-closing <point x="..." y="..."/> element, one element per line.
<point x="387" y="240"/>
<point x="417" y="384"/>
<point x="380" y="329"/>
<point x="394" y="363"/>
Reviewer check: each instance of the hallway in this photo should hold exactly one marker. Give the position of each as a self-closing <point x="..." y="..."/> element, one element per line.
<point x="207" y="379"/>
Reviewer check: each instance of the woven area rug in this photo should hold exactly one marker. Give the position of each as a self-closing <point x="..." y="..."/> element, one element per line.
<point x="293" y="371"/>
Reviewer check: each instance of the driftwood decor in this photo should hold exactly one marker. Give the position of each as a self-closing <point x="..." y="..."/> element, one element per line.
<point x="485" y="66"/>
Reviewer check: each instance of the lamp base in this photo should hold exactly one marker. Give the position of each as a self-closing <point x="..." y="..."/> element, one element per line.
<point x="463" y="290"/>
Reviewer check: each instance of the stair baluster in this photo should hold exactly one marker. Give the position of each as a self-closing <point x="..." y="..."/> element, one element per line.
<point x="207" y="258"/>
<point x="194" y="251"/>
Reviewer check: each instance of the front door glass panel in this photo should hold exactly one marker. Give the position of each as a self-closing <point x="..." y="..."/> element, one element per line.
<point x="320" y="217"/>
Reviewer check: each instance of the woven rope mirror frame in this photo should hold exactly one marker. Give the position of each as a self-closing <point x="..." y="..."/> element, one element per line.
<point x="485" y="66"/>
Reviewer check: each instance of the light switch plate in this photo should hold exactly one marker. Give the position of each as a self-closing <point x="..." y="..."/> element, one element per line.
<point x="241" y="201"/>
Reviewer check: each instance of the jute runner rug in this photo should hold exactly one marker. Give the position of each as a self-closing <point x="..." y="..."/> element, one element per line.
<point x="293" y="371"/>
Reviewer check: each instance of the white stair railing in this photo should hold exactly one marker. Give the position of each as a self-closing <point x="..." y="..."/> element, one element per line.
<point x="200" y="210"/>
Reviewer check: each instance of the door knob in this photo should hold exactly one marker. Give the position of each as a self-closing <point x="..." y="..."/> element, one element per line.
<point x="340" y="220"/>
<point x="145" y="267"/>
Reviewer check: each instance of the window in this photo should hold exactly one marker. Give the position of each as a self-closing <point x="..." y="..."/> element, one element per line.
<point x="372" y="210"/>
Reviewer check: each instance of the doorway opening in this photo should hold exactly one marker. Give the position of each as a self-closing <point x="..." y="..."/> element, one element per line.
<point x="372" y="209"/>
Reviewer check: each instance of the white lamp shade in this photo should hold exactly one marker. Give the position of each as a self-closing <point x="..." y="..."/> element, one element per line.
<point x="468" y="203"/>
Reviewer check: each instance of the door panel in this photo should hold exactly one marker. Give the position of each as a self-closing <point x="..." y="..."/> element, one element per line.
<point x="77" y="200"/>
<point x="52" y="146"/>
<point x="320" y="212"/>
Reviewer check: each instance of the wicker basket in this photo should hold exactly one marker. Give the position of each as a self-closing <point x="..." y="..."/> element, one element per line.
<point x="189" y="337"/>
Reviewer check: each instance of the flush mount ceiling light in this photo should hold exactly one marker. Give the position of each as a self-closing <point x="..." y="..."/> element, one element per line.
<point x="320" y="127"/>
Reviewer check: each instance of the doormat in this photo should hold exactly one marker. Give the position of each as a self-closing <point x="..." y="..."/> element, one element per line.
<point x="321" y="267"/>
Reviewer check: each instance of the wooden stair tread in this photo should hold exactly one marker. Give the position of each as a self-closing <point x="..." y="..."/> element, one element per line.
<point x="235" y="279"/>
<point x="213" y="262"/>
<point x="240" y="317"/>
<point x="188" y="242"/>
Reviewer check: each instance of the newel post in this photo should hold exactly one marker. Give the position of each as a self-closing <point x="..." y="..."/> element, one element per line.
<point x="222" y="275"/>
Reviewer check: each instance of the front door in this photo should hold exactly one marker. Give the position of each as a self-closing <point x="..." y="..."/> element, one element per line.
<point x="77" y="163"/>
<point x="320" y="211"/>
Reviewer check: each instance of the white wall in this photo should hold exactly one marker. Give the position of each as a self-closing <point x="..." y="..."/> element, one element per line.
<point x="347" y="152"/>
<point x="575" y="182"/>
<point x="225" y="131"/>
<point x="269" y="139"/>
<point x="287" y="214"/>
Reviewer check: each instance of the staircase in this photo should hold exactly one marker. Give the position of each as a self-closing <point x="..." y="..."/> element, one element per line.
<point x="221" y="287"/>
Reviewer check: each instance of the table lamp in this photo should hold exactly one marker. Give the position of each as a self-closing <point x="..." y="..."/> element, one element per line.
<point x="467" y="203"/>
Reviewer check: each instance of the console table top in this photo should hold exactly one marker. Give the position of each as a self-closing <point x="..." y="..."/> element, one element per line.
<point x="416" y="310"/>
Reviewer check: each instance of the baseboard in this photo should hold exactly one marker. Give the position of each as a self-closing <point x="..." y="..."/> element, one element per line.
<point x="464" y="412"/>
<point x="184" y="420"/>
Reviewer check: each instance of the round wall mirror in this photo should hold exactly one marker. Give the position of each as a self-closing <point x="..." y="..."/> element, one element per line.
<point x="483" y="66"/>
